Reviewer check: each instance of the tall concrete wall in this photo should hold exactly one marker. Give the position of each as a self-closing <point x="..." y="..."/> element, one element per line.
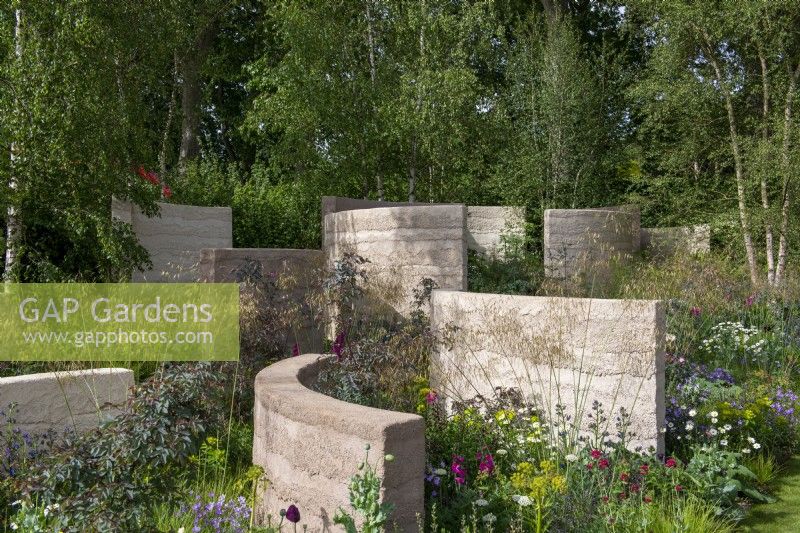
<point x="403" y="245"/>
<point x="175" y="238"/>
<point x="296" y="273"/>
<point x="683" y="240"/>
<point x="310" y="445"/>
<point x="486" y="227"/>
<point x="77" y="400"/>
<point x="483" y="229"/>
<point x="568" y="351"/>
<point x="589" y="241"/>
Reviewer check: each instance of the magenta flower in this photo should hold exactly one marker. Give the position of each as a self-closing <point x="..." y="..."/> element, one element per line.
<point x="750" y="300"/>
<point x="295" y="350"/>
<point x="431" y="397"/>
<point x="486" y="465"/>
<point x="695" y="311"/>
<point x="293" y="514"/>
<point x="457" y="467"/>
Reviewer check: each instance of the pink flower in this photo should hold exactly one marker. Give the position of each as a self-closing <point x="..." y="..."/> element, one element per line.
<point x="602" y="464"/>
<point x="295" y="350"/>
<point x="644" y="469"/>
<point x="431" y="397"/>
<point x="596" y="454"/>
<point x="671" y="462"/>
<point x="750" y="300"/>
<point x="678" y="488"/>
<point x="486" y="465"/>
<point x="457" y="467"/>
<point x="166" y="191"/>
<point x="695" y="311"/>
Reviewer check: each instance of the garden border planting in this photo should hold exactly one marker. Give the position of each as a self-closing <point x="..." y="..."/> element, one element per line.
<point x="310" y="444"/>
<point x="662" y="242"/>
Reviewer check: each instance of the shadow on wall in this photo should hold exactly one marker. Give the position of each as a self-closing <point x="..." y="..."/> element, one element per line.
<point x="562" y="353"/>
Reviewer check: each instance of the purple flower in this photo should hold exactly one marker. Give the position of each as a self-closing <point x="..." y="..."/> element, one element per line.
<point x="750" y="300"/>
<point x="695" y="311"/>
<point x="295" y="350"/>
<point x="338" y="345"/>
<point x="293" y="514"/>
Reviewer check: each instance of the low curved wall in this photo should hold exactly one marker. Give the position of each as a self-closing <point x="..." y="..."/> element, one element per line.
<point x="77" y="400"/>
<point x="297" y="270"/>
<point x="174" y="239"/>
<point x="682" y="240"/>
<point x="568" y="351"/>
<point x="310" y="444"/>
<point x="580" y="241"/>
<point x="403" y="245"/>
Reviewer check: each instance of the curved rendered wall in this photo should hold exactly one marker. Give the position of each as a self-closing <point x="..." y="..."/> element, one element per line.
<point x="310" y="444"/>
<point x="297" y="271"/>
<point x="403" y="245"/>
<point x="484" y="226"/>
<point x="682" y="240"/>
<point x="569" y="351"/>
<point x="588" y="241"/>
<point x="175" y="238"/>
<point x="77" y="400"/>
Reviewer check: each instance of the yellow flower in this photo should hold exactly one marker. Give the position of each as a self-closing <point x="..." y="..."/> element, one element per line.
<point x="504" y="416"/>
<point x="559" y="484"/>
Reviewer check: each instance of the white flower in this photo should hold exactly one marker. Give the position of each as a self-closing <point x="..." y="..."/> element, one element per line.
<point x="712" y="432"/>
<point x="689" y="426"/>
<point x="14" y="526"/>
<point x="571" y="457"/>
<point x="523" y="501"/>
<point x="751" y="440"/>
<point x="723" y="442"/>
<point x="180" y="530"/>
<point x="714" y="420"/>
<point x="727" y="427"/>
<point x="489" y="518"/>
<point x="47" y="511"/>
<point x="536" y="425"/>
<point x="501" y="451"/>
<point x="16" y="503"/>
<point x="756" y="445"/>
<point x="481" y="502"/>
<point x="692" y="412"/>
<point x="440" y="472"/>
<point x="713" y="414"/>
<point x="746" y="450"/>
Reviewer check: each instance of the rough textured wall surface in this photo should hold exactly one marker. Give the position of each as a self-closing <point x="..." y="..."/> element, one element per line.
<point x="78" y="399"/>
<point x="296" y="274"/>
<point x="310" y="445"/>
<point x="588" y="241"/>
<point x="686" y="240"/>
<point x="174" y="239"/>
<point x="486" y="226"/>
<point x="403" y="246"/>
<point x="569" y="351"/>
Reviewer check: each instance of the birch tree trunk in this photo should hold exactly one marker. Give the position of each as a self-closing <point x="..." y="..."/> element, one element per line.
<point x="768" y="237"/>
<point x="191" y="96"/>
<point x="12" y="217"/>
<point x="373" y="78"/>
<point x="787" y="172"/>
<point x="744" y="217"/>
